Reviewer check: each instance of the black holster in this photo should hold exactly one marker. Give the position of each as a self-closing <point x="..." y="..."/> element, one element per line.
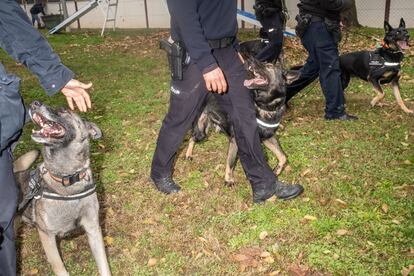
<point x="177" y="58"/>
<point x="304" y="20"/>
<point x="334" y="29"/>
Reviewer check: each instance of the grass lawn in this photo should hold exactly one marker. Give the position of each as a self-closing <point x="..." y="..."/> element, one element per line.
<point x="355" y="217"/>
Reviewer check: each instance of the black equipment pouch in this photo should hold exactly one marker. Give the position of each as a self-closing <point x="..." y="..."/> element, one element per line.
<point x="177" y="58"/>
<point x="334" y="29"/>
<point x="304" y="20"/>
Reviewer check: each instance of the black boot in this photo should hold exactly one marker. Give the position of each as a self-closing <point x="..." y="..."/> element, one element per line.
<point x="166" y="185"/>
<point x="280" y="190"/>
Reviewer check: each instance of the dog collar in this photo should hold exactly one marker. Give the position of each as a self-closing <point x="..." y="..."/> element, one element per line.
<point x="260" y="122"/>
<point x="69" y="179"/>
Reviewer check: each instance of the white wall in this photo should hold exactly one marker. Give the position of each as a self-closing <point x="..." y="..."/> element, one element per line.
<point x="131" y="13"/>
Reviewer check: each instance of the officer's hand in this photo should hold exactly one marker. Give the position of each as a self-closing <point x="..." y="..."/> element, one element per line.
<point x="75" y="91"/>
<point x="215" y="81"/>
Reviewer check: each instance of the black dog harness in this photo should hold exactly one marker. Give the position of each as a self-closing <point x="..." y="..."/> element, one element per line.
<point x="37" y="191"/>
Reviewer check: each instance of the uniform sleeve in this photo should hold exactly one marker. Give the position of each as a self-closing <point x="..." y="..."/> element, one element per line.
<point x="185" y="14"/>
<point x="26" y="45"/>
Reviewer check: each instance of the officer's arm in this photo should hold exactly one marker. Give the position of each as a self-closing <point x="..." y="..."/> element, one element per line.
<point x="28" y="46"/>
<point x="185" y="14"/>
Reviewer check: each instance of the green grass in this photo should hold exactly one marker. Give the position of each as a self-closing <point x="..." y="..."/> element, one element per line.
<point x="350" y="172"/>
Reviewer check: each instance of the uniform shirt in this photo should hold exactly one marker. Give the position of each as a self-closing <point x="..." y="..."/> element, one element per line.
<point x="194" y="22"/>
<point x="324" y="8"/>
<point x="26" y="45"/>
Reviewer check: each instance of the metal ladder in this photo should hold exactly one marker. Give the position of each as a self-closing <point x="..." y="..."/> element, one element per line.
<point x="109" y="13"/>
<point x="109" y="9"/>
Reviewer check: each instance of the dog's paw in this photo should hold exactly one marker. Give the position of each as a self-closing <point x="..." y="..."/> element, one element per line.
<point x="278" y="170"/>
<point x="229" y="183"/>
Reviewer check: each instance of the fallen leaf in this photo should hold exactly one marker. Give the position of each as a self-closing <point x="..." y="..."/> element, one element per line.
<point x="240" y="257"/>
<point x="265" y="254"/>
<point x="304" y="173"/>
<point x="263" y="235"/>
<point x="342" y="232"/>
<point x="407" y="162"/>
<point x="309" y="217"/>
<point x="152" y="262"/>
<point x="306" y="199"/>
<point x="269" y="260"/>
<point x="341" y="202"/>
<point x="108" y="240"/>
<point x="274" y="273"/>
<point x="33" y="271"/>
<point x="384" y="208"/>
<point x="396" y="221"/>
<point x="407" y="270"/>
<point x="335" y="256"/>
<point x="251" y="251"/>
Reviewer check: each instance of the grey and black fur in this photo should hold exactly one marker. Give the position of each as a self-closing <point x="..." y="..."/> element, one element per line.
<point x="65" y="138"/>
<point x="268" y="88"/>
<point x="388" y="57"/>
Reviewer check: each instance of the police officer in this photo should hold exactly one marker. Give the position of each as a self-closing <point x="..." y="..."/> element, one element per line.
<point x="207" y="29"/>
<point x="25" y="44"/>
<point x="35" y="10"/>
<point x="319" y="29"/>
<point x="272" y="16"/>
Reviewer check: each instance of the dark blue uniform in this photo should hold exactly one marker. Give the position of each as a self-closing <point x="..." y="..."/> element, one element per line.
<point x="200" y="24"/>
<point x="270" y="14"/>
<point x="323" y="59"/>
<point x="26" y="45"/>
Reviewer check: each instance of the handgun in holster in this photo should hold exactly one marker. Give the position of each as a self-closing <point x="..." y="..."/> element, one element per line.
<point x="176" y="57"/>
<point x="304" y="20"/>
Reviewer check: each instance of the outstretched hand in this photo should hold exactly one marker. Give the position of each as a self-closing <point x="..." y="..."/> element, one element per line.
<point x="75" y="91"/>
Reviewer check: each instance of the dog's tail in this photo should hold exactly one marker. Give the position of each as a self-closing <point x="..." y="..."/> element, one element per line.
<point x="24" y="162"/>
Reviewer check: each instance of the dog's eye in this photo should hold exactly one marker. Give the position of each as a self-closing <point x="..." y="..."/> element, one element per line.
<point x="62" y="110"/>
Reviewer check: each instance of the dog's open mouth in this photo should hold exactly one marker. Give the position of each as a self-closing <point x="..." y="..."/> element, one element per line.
<point x="403" y="44"/>
<point x="256" y="81"/>
<point x="48" y="129"/>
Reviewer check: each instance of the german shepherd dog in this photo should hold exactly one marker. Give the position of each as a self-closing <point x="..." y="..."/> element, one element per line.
<point x="267" y="84"/>
<point x="379" y="66"/>
<point x="59" y="195"/>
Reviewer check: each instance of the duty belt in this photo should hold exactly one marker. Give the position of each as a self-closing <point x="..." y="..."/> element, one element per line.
<point x="221" y="43"/>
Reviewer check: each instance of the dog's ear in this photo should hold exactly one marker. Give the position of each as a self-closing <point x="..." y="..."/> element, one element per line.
<point x="291" y="76"/>
<point x="94" y="131"/>
<point x="387" y="27"/>
<point x="402" y="23"/>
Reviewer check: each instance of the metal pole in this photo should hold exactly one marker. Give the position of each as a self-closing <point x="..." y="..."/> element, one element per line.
<point x="387" y="10"/>
<point x="65" y="12"/>
<point x="76" y="9"/>
<point x="242" y="8"/>
<point x="146" y="14"/>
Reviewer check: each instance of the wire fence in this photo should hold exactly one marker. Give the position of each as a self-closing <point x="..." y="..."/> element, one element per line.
<point x="370" y="13"/>
<point x="132" y="13"/>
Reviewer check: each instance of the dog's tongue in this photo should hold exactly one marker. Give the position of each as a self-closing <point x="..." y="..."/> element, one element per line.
<point x="403" y="44"/>
<point x="248" y="83"/>
<point x="257" y="81"/>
